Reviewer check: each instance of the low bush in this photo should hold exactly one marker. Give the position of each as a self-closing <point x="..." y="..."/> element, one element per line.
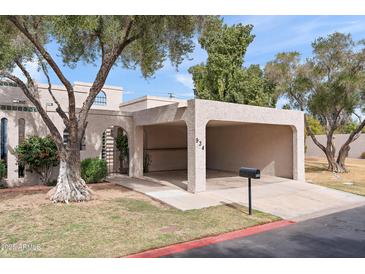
<point x="39" y="155"/>
<point x="51" y="183"/>
<point x="93" y="170"/>
<point x="362" y="155"/>
<point x="2" y="173"/>
<point x="2" y="169"/>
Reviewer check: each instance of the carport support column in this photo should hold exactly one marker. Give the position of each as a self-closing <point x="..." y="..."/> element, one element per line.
<point x="196" y="151"/>
<point x="136" y="152"/>
<point x="298" y="152"/>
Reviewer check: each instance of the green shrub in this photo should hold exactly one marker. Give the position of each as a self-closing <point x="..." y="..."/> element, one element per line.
<point x="52" y="183"/>
<point x="2" y="170"/>
<point x="362" y="155"/>
<point x="39" y="155"/>
<point x="93" y="170"/>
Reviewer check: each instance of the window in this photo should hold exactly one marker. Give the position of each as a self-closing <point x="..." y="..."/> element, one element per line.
<point x="21" y="137"/>
<point x="4" y="139"/>
<point x="21" y="130"/>
<point x="100" y="99"/>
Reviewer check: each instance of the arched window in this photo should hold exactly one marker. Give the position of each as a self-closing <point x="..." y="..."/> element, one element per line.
<point x="4" y="139"/>
<point x="21" y="137"/>
<point x="100" y="99"/>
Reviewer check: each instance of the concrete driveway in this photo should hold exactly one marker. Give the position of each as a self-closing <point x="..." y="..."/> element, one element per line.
<point x="288" y="199"/>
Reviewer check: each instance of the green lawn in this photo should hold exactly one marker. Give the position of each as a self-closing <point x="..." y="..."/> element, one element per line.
<point x="120" y="222"/>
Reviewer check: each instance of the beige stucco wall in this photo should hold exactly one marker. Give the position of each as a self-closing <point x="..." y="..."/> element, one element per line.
<point x="267" y="147"/>
<point x="113" y="96"/>
<point x="200" y="112"/>
<point x="98" y="122"/>
<point x="357" y="147"/>
<point x="100" y="118"/>
<point x="166" y="145"/>
<point x="147" y="102"/>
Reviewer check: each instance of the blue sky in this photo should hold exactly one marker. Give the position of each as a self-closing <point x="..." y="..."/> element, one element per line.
<point x="273" y="34"/>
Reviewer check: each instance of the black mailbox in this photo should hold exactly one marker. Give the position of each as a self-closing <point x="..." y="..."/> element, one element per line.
<point x="248" y="172"/>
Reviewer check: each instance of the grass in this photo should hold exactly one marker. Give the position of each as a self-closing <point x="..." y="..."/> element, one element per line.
<point x="118" y="223"/>
<point x="353" y="181"/>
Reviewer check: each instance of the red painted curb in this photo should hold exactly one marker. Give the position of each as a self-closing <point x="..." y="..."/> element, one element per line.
<point x="163" y="251"/>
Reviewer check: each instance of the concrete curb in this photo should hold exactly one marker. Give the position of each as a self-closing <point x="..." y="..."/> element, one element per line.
<point x="180" y="247"/>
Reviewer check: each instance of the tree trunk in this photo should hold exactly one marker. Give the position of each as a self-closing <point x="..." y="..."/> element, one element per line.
<point x="333" y="165"/>
<point x="342" y="155"/>
<point x="70" y="186"/>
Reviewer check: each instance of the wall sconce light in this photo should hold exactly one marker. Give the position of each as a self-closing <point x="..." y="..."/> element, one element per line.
<point x="17" y="101"/>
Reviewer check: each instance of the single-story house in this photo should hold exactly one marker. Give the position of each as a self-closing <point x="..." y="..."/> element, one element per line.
<point x="167" y="134"/>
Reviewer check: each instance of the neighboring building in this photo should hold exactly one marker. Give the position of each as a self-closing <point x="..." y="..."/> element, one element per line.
<point x="186" y="135"/>
<point x="356" y="148"/>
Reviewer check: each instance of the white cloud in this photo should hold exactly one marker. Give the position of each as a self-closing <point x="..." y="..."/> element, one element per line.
<point x="185" y="79"/>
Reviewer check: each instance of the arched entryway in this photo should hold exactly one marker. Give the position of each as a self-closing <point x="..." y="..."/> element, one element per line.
<point x="115" y="150"/>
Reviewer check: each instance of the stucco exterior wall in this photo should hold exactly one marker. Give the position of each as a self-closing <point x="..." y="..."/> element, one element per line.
<point x="267" y="147"/>
<point x="147" y="102"/>
<point x="98" y="122"/>
<point x="100" y="118"/>
<point x="167" y="147"/>
<point x="183" y="139"/>
<point x="357" y="147"/>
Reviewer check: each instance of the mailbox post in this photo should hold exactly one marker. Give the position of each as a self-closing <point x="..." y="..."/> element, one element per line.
<point x="250" y="173"/>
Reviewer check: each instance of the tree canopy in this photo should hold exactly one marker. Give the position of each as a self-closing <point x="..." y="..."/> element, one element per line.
<point x="330" y="86"/>
<point x="223" y="77"/>
<point x="104" y="41"/>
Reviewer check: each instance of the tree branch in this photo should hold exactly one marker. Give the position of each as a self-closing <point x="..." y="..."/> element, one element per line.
<point x="53" y="129"/>
<point x="353" y="136"/>
<point x="71" y="96"/>
<point x="311" y="134"/>
<point x="103" y="72"/>
<point x="59" y="109"/>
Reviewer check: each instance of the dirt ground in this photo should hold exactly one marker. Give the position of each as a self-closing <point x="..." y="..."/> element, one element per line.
<point x="353" y="181"/>
<point x="19" y="199"/>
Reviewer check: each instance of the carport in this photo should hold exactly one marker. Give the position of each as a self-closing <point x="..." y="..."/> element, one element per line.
<point x="231" y="145"/>
<point x="200" y="145"/>
<point x="165" y="153"/>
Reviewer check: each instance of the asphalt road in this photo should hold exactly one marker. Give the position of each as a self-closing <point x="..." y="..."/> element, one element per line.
<point x="337" y="235"/>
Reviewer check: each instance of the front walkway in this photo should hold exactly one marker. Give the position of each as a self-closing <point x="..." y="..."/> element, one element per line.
<point x="285" y="198"/>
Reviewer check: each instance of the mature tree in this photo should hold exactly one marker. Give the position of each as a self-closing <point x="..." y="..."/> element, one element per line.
<point x="106" y="41"/>
<point x="329" y="86"/>
<point x="39" y="155"/>
<point x="223" y="77"/>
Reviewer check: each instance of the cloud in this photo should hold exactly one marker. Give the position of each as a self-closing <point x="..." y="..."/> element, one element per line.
<point x="185" y="79"/>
